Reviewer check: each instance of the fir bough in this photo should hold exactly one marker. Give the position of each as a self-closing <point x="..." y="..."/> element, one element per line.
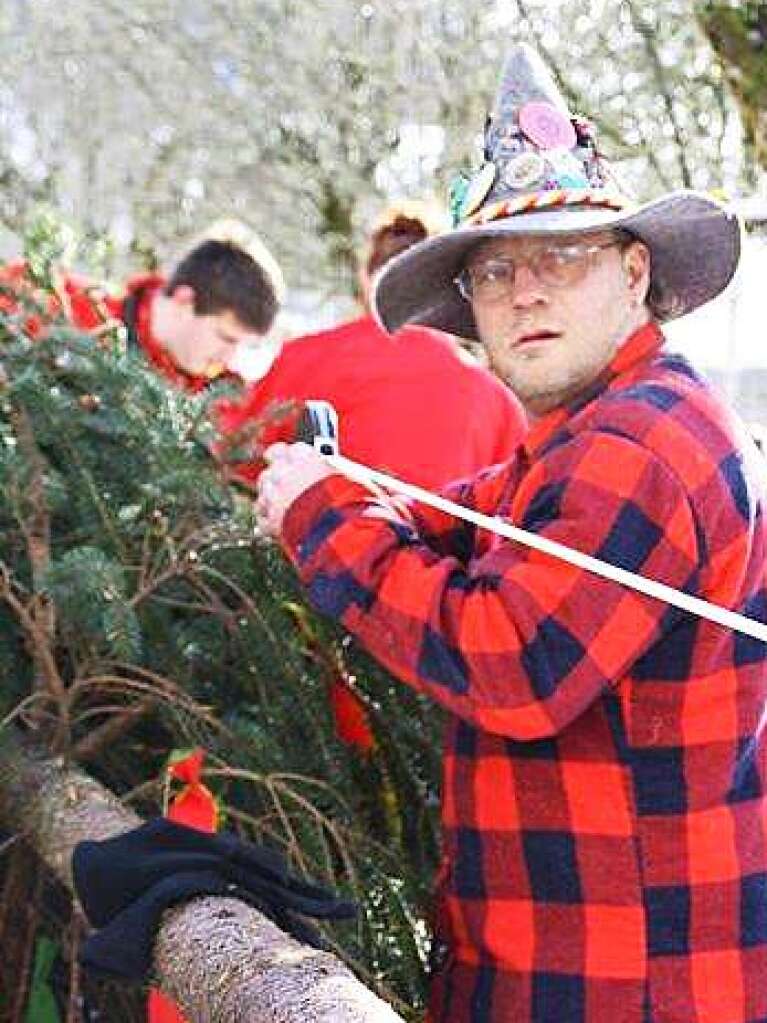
<point x="140" y="613"/>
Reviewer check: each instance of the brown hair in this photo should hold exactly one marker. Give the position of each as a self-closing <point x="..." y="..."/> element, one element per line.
<point x="660" y="300"/>
<point x="403" y="224"/>
<point x="392" y="238"/>
<point x="226" y="277"/>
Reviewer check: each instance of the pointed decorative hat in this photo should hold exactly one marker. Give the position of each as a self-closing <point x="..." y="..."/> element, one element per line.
<point x="544" y="175"/>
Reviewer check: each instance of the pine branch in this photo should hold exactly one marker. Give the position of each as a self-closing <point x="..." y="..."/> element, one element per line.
<point x="36" y="527"/>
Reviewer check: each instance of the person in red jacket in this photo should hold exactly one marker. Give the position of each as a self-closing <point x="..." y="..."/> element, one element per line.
<point x="412" y="404"/>
<point x="191" y="326"/>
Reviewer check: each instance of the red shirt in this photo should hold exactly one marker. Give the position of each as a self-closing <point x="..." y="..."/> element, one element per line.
<point x="408" y="404"/>
<point x="604" y="799"/>
<point x="88" y="306"/>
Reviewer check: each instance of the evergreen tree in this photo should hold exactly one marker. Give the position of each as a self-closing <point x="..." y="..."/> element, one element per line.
<point x="140" y="613"/>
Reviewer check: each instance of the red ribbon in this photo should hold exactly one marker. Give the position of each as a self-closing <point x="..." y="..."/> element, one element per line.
<point x="196" y="807"/>
<point x="350" y="716"/>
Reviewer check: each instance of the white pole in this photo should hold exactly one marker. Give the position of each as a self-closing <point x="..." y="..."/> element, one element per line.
<point x="660" y="591"/>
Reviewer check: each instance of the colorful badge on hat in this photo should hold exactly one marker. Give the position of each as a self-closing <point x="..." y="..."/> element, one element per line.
<point x="508" y="139"/>
<point x="509" y="147"/>
<point x="584" y="131"/>
<point x="546" y="127"/>
<point x="478" y="188"/>
<point x="459" y="186"/>
<point x="568" y="170"/>
<point x="523" y="171"/>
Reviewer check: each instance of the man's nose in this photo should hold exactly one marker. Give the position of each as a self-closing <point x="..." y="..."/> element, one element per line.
<point x="527" y="289"/>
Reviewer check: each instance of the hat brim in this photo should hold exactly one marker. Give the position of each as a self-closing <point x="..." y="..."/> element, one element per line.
<point x="694" y="246"/>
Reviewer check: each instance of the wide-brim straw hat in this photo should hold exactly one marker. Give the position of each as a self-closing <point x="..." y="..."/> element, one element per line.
<point x="544" y="176"/>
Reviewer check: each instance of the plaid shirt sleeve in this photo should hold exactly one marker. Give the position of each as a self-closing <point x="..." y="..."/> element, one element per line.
<point x="512" y="640"/>
<point x="444" y="533"/>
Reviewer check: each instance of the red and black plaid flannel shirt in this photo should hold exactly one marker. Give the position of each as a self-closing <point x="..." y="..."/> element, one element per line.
<point x="603" y="805"/>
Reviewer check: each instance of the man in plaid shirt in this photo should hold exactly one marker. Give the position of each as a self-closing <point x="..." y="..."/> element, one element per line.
<point x="605" y="835"/>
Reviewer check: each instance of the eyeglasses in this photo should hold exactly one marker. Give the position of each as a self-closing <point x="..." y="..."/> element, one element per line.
<point x="557" y="265"/>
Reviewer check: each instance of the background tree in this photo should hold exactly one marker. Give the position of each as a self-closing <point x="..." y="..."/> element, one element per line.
<point x="738" y="35"/>
<point x="143" y="122"/>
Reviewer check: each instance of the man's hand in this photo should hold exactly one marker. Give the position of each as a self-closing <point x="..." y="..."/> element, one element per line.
<point x="292" y="469"/>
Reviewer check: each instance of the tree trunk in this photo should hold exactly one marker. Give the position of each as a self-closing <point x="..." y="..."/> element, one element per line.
<point x="221" y="960"/>
<point x="738" y="35"/>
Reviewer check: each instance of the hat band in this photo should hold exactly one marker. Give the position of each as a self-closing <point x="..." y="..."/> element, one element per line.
<point x="591" y="197"/>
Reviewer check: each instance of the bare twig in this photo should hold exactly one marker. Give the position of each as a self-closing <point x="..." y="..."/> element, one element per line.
<point x="35" y="523"/>
<point x="121" y="722"/>
<point x="38" y="638"/>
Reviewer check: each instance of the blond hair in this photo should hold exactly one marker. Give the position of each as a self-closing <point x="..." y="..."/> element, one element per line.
<point x="235" y="232"/>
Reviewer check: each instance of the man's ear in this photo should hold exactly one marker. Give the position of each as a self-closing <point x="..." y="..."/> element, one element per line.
<point x="636" y="264"/>
<point x="183" y="294"/>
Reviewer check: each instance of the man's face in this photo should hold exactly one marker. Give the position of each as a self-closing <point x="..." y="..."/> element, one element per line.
<point x="554" y="326"/>
<point x="200" y="344"/>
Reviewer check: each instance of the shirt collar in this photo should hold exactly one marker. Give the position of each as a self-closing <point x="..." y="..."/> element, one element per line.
<point x="146" y="287"/>
<point x="640" y="347"/>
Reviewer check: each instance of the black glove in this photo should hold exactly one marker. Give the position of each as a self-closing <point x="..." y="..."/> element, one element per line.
<point x="126" y="883"/>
